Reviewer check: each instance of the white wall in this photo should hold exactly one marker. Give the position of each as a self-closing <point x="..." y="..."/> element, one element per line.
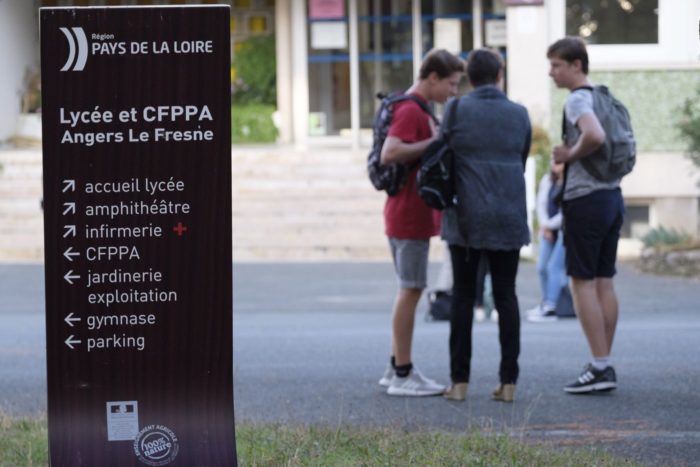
<point x="680" y="214"/>
<point x="17" y="52"/>
<point x="662" y="175"/>
<point x="678" y="45"/>
<point x="300" y="74"/>
<point x="670" y="184"/>
<point x="527" y="66"/>
<point x="283" y="44"/>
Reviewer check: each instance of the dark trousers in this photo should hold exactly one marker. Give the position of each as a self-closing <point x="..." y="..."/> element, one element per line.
<point x="504" y="268"/>
<point x="481" y="272"/>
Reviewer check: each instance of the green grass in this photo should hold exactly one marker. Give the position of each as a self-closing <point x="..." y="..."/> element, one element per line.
<point x="23" y="442"/>
<point x="297" y="446"/>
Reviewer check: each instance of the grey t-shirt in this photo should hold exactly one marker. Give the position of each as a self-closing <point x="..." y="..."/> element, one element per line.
<point x="578" y="181"/>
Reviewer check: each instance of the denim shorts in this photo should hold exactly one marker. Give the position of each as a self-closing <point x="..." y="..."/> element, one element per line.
<point x="410" y="262"/>
<point x="591" y="230"/>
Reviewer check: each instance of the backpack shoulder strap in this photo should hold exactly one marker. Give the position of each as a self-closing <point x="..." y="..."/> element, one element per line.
<point x="593" y="90"/>
<point x="423" y="106"/>
<point x="451" y="119"/>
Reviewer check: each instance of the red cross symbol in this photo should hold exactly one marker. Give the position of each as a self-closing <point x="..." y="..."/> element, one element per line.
<point x="179" y="229"/>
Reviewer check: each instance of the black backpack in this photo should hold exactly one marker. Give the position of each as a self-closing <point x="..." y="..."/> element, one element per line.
<point x="440" y="306"/>
<point x="435" y="181"/>
<point x="388" y="177"/>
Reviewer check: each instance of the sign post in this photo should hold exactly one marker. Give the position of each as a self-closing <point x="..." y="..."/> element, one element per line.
<point x="137" y="198"/>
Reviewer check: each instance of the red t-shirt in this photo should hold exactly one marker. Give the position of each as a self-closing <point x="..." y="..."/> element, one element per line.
<point x="406" y="216"/>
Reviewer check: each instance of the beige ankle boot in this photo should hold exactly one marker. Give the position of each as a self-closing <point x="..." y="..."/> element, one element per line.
<point x="504" y="392"/>
<point x="456" y="392"/>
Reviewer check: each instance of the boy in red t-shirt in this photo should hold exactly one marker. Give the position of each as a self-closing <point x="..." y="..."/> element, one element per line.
<point x="409" y="222"/>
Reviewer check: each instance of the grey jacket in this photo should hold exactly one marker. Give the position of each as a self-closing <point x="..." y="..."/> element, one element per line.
<point x="491" y="141"/>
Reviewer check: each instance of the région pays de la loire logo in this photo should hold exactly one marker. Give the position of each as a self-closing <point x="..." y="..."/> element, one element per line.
<point x="77" y="49"/>
<point x="156" y="445"/>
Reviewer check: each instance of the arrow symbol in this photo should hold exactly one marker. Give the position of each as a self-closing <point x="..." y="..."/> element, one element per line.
<point x="70" y="230"/>
<point x="70" y="341"/>
<point x="69" y="253"/>
<point x="68" y="185"/>
<point x="70" y="319"/>
<point x="70" y="207"/>
<point x="69" y="275"/>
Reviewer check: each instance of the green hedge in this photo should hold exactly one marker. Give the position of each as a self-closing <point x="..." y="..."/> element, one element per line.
<point x="252" y="123"/>
<point x="256" y="71"/>
<point x="689" y="126"/>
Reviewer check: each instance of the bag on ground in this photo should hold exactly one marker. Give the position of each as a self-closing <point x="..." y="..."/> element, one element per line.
<point x="439" y="306"/>
<point x="565" y="304"/>
<point x="388" y="177"/>
<point x="616" y="158"/>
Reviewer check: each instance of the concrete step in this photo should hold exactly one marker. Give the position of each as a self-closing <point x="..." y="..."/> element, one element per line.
<point x="287" y="205"/>
<point x="21" y="206"/>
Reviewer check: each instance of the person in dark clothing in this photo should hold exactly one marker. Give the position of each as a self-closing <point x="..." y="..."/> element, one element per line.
<point x="491" y="141"/>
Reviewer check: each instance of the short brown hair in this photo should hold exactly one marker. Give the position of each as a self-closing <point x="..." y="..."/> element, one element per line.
<point x="441" y="62"/>
<point x="570" y="49"/>
<point x="483" y="66"/>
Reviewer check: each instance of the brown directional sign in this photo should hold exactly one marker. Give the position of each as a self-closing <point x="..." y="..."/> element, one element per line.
<point x="137" y="198"/>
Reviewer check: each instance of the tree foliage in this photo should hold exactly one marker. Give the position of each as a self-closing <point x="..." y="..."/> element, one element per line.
<point x="256" y="70"/>
<point x="689" y="126"/>
<point x="541" y="149"/>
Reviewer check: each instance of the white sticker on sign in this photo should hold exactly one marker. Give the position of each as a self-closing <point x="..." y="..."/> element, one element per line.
<point x="122" y="420"/>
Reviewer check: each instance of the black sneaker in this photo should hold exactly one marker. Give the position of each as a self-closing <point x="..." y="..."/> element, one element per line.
<point x="592" y="380"/>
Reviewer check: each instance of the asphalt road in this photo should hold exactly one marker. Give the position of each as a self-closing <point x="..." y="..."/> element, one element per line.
<point x="311" y="340"/>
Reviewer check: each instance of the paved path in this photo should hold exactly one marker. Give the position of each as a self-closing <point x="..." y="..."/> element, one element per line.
<point x="311" y="340"/>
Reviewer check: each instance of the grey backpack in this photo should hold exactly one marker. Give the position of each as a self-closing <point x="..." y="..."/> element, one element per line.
<point x="617" y="156"/>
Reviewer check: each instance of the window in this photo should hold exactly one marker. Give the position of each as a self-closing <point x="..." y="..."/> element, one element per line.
<point x="636" y="222"/>
<point x="385" y="36"/>
<point x="613" y="21"/>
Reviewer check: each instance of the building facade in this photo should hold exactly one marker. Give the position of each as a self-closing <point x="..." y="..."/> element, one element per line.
<point x="334" y="56"/>
<point x="331" y="63"/>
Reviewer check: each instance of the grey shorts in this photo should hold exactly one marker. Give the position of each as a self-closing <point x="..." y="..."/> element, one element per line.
<point x="410" y="262"/>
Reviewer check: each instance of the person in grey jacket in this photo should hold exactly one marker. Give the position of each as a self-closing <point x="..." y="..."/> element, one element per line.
<point x="491" y="142"/>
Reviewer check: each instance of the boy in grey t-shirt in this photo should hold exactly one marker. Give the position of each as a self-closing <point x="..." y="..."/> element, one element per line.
<point x="579" y="182"/>
<point x="593" y="212"/>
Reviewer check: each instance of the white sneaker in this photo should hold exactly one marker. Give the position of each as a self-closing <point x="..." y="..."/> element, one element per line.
<point x="536" y="311"/>
<point x="479" y="314"/>
<point x="389" y="373"/>
<point x="494" y="315"/>
<point x="415" y="384"/>
<point x="540" y="314"/>
<point x="545" y="317"/>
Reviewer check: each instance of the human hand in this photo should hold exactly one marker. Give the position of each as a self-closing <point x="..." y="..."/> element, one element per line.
<point x="548" y="235"/>
<point x="561" y="153"/>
